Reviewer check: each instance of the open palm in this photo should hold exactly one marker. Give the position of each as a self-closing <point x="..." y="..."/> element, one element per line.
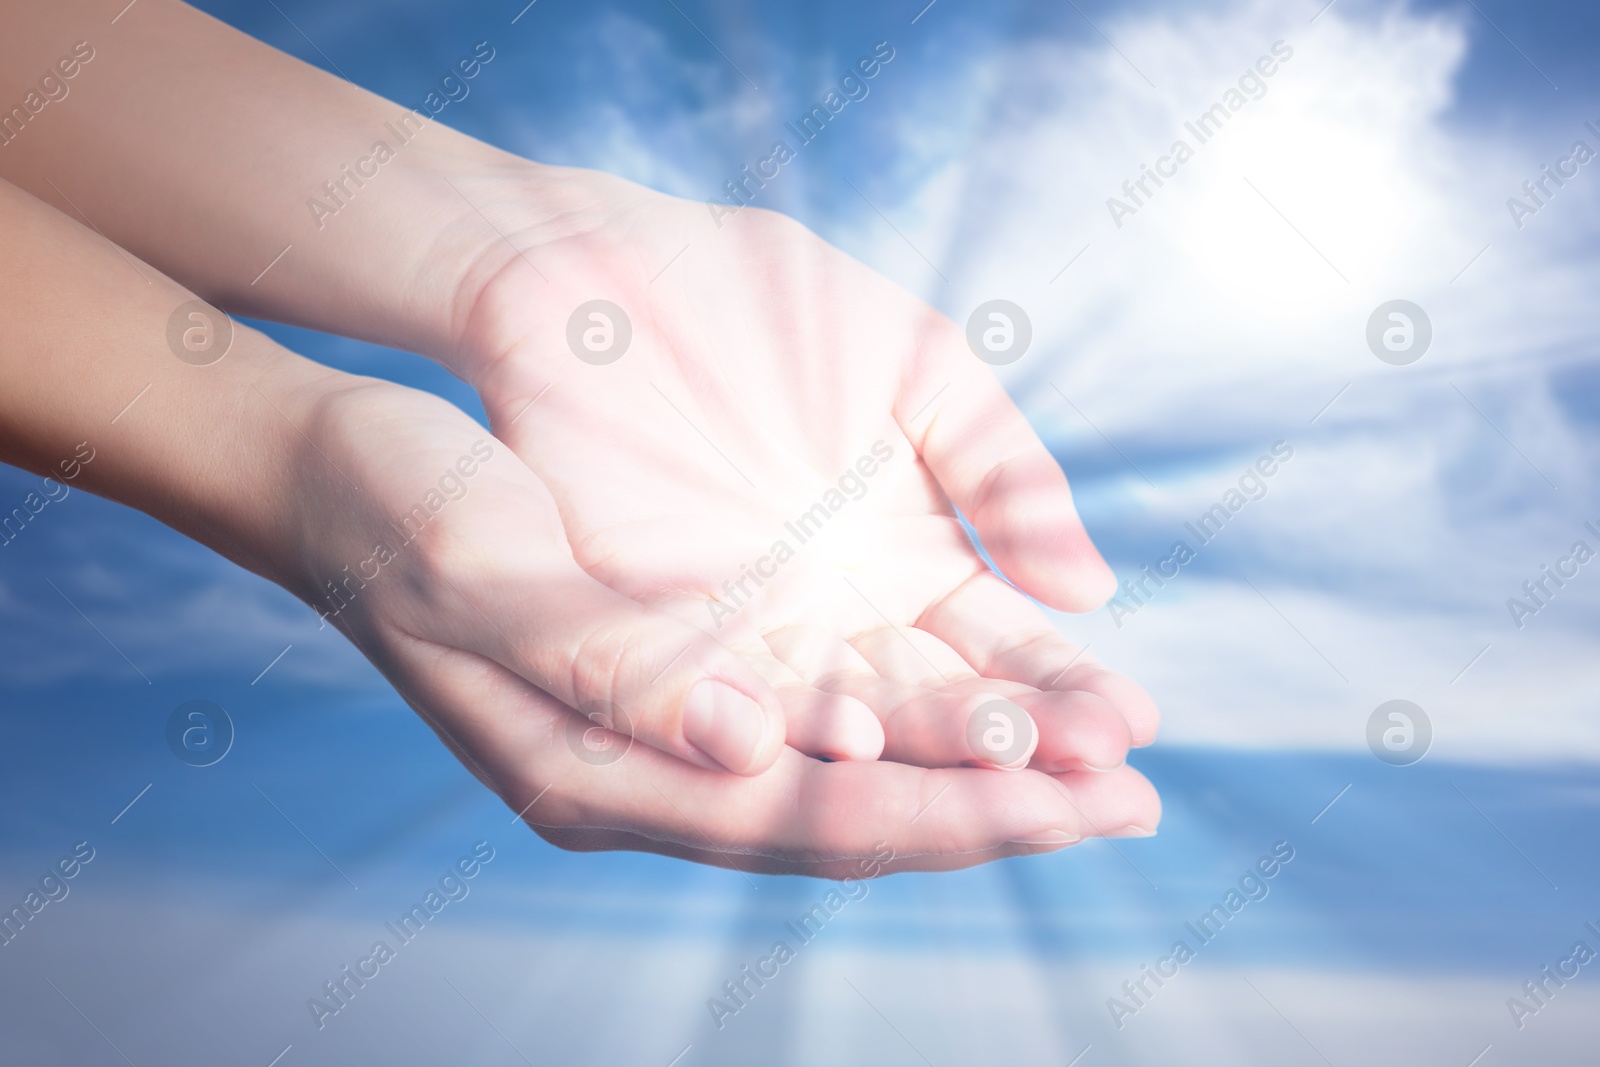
<point x="474" y="609"/>
<point x="748" y="429"/>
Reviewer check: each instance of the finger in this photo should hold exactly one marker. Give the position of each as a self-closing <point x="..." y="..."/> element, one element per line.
<point x="831" y="726"/>
<point x="1121" y="803"/>
<point x="1126" y="806"/>
<point x="825" y="725"/>
<point x="993" y="466"/>
<point x="1004" y="635"/>
<point x="629" y="667"/>
<point x="1123" y="693"/>
<point x="929" y="728"/>
<point x="1001" y="632"/>
<point x="805" y="808"/>
<point x="814" y="653"/>
<point x="1077" y="730"/>
<point x="922" y="726"/>
<point x="908" y="654"/>
<point x="801" y="808"/>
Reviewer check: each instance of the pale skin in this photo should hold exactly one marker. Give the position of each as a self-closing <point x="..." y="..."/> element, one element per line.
<point x="605" y="556"/>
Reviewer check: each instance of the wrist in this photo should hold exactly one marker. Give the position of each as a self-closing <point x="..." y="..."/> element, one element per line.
<point x="514" y="210"/>
<point x="238" y="480"/>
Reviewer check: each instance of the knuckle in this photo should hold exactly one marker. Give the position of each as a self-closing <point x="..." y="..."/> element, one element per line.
<point x="621" y="664"/>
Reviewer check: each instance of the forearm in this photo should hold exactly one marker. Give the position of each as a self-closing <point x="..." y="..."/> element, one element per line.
<point x="253" y="178"/>
<point x="92" y="394"/>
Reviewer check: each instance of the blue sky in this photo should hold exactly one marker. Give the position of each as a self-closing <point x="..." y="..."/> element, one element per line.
<point x="1189" y="340"/>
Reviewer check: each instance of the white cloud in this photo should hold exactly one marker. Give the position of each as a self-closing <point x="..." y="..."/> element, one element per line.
<point x="1232" y="307"/>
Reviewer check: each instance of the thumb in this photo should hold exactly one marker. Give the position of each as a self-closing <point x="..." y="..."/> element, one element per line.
<point x="632" y="669"/>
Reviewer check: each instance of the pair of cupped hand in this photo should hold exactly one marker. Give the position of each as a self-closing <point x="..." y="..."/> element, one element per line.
<point x="707" y="595"/>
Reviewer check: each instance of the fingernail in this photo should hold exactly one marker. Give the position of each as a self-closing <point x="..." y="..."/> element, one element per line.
<point x="1132" y="831"/>
<point x="1102" y="770"/>
<point x="724" y="724"/>
<point x="1048" y="837"/>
